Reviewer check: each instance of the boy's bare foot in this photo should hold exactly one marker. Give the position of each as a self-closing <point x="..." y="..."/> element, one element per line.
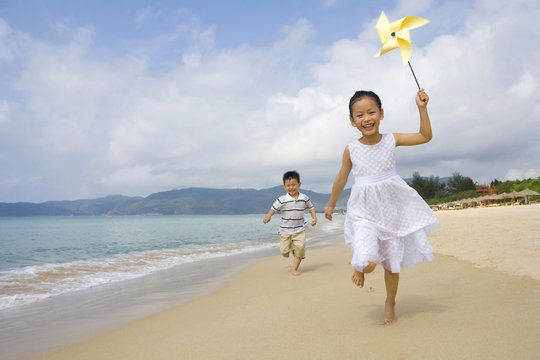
<point x="389" y="314"/>
<point x="296" y="265"/>
<point x="358" y="278"/>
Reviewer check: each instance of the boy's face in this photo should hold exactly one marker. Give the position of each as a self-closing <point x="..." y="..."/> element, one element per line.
<point x="292" y="186"/>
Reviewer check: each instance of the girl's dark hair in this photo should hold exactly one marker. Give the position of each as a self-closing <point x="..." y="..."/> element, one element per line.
<point x="363" y="93"/>
<point x="291" y="175"/>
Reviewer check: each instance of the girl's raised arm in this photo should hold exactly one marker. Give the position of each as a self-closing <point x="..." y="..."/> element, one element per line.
<point x="339" y="183"/>
<point x="424" y="134"/>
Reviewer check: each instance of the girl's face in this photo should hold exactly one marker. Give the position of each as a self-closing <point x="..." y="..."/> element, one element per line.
<point x="366" y="116"/>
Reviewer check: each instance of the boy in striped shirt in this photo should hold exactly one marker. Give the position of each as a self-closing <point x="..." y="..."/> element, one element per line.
<point x="292" y="231"/>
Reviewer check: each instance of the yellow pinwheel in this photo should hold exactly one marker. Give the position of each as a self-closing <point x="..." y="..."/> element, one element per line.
<point x="396" y="35"/>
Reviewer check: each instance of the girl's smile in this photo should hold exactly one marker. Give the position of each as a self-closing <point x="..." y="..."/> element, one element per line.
<point x="366" y="116"/>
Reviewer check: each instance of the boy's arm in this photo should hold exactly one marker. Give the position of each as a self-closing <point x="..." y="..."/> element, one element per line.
<point x="269" y="216"/>
<point x="424" y="134"/>
<point x="314" y="216"/>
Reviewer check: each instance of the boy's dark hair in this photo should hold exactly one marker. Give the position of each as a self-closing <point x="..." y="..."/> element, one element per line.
<point x="363" y="93"/>
<point x="291" y="175"/>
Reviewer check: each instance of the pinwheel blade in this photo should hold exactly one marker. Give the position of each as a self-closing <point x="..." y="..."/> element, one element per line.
<point x="383" y="28"/>
<point x="406" y="49"/>
<point x="412" y="22"/>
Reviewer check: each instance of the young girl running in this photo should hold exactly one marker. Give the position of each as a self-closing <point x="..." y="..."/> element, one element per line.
<point x="387" y="222"/>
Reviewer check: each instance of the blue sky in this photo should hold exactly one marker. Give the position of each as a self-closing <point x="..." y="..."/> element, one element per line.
<point x="136" y="97"/>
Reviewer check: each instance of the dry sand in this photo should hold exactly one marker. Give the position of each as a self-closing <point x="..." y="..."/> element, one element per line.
<point x="447" y="309"/>
<point x="506" y="238"/>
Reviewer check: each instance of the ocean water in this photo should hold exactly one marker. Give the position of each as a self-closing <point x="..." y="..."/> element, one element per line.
<point x="66" y="279"/>
<point x="45" y="257"/>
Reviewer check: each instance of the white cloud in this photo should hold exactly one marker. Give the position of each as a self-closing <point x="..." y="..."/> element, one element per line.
<point x="519" y="174"/>
<point x="191" y="60"/>
<point x="479" y="105"/>
<point x="203" y="41"/>
<point x="295" y="39"/>
<point x="224" y="117"/>
<point x="525" y="87"/>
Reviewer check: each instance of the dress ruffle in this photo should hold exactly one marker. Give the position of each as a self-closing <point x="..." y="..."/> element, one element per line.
<point x="393" y="254"/>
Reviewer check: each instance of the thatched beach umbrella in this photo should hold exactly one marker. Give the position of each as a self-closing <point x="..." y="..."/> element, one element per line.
<point x="496" y="197"/>
<point x="480" y="200"/>
<point x="511" y="195"/>
<point x="505" y="196"/>
<point x="526" y="193"/>
<point x="469" y="201"/>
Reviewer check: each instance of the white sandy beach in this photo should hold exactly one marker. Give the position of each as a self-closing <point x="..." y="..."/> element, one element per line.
<point x="477" y="300"/>
<point x="506" y="238"/>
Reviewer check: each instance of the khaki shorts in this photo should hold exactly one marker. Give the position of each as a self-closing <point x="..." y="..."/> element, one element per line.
<point x="293" y="242"/>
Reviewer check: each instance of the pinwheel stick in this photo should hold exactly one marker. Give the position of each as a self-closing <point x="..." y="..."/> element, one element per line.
<point x="415" y="79"/>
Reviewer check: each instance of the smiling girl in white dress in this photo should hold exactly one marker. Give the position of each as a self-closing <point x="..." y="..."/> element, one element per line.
<point x="387" y="222"/>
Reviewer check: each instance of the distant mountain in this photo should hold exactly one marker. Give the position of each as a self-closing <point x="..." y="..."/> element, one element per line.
<point x="99" y="206"/>
<point x="200" y="201"/>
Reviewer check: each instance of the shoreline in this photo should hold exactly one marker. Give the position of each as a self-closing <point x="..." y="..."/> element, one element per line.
<point x="257" y="300"/>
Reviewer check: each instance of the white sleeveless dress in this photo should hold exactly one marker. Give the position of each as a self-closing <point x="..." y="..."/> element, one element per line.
<point x="387" y="222"/>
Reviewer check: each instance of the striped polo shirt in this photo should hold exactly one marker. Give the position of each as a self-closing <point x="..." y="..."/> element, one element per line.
<point x="292" y="212"/>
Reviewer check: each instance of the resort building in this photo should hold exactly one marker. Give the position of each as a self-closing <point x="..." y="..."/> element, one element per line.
<point x="487" y="189"/>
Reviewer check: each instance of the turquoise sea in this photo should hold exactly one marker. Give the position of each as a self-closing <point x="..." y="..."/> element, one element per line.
<point x="44" y="257"/>
<point x="95" y="272"/>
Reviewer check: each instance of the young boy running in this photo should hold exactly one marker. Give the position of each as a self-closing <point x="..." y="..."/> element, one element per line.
<point x="292" y="231"/>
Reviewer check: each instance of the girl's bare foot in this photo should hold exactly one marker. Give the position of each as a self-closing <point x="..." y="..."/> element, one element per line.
<point x="296" y="273"/>
<point x="389" y="314"/>
<point x="358" y="278"/>
<point x="369" y="268"/>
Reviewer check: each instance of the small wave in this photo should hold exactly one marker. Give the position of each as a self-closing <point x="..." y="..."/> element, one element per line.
<point x="34" y="283"/>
